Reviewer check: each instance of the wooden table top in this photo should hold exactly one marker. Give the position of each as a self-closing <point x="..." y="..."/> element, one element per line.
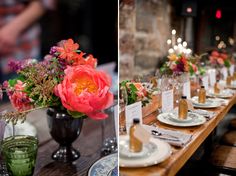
<point x="179" y="155"/>
<point x="89" y="143"/>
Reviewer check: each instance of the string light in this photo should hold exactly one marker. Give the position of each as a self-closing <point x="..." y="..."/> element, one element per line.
<point x="168" y="41"/>
<point x="173" y="32"/>
<point x="179" y="40"/>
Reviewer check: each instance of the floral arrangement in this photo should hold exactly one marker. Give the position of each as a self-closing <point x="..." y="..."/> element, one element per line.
<point x="67" y="79"/>
<point x="219" y="59"/>
<point x="137" y="91"/>
<point x="178" y="64"/>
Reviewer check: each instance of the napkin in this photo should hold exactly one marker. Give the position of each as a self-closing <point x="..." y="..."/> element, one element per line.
<point x="207" y="114"/>
<point x="175" y="138"/>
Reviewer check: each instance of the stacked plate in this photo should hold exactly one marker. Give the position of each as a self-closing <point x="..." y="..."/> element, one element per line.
<point x="153" y="153"/>
<point x="210" y="103"/>
<point x="192" y="119"/>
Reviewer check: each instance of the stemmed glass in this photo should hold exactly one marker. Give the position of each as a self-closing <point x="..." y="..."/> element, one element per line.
<point x="123" y="101"/>
<point x="109" y="143"/>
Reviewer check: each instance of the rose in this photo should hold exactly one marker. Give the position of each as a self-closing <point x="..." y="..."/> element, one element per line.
<point x="85" y="90"/>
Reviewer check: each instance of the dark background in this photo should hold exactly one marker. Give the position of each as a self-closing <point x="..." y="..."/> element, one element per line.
<point x="206" y="25"/>
<point x="91" y="23"/>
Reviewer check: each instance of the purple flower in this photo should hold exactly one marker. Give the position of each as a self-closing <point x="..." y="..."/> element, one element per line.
<point x="53" y="50"/>
<point x="15" y="65"/>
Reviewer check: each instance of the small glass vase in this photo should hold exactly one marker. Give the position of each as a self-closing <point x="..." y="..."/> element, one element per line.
<point x="64" y="129"/>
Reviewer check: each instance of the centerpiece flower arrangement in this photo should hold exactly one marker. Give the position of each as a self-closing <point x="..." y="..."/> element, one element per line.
<point x="219" y="59"/>
<point x="178" y="64"/>
<point x="67" y="78"/>
<point x="137" y="91"/>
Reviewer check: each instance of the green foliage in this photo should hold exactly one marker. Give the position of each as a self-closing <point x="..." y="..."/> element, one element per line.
<point x="76" y="114"/>
<point x="227" y="63"/>
<point x="202" y="71"/>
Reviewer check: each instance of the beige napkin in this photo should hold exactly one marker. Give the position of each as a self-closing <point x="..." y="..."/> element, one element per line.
<point x="175" y="138"/>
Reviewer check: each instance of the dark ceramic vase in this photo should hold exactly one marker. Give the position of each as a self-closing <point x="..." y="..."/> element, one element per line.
<point x="64" y="129"/>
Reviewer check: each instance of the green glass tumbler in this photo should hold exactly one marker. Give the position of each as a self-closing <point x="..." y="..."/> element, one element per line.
<point x="19" y="153"/>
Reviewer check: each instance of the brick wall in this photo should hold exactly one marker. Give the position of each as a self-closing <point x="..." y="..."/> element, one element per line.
<point x="144" y="29"/>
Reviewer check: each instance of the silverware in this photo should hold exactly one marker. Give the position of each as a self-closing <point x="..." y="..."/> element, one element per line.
<point x="164" y="136"/>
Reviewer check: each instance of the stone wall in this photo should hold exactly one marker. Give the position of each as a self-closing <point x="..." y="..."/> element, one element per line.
<point x="144" y="29"/>
<point x="126" y="38"/>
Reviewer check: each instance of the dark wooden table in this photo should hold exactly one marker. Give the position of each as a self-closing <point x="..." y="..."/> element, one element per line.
<point x="89" y="143"/>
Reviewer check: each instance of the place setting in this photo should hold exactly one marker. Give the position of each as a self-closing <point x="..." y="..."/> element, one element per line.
<point x="141" y="149"/>
<point x="219" y="92"/>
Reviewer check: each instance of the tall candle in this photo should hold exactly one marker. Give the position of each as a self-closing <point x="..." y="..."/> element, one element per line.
<point x="173" y="32"/>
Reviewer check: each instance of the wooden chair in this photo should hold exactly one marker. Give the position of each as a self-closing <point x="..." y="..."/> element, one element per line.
<point x="229" y="138"/>
<point x="233" y="124"/>
<point x="223" y="157"/>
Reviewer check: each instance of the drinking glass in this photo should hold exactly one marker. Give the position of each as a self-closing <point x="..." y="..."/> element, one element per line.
<point x="2" y="129"/>
<point x="19" y="153"/>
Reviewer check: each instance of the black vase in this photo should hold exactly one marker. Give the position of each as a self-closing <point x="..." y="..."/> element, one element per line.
<point x="64" y="129"/>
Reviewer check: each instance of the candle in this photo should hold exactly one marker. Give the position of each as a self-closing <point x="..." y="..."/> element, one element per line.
<point x="173" y="32"/>
<point x="171" y="51"/>
<point x="185" y="44"/>
<point x="179" y="40"/>
<point x="168" y="41"/>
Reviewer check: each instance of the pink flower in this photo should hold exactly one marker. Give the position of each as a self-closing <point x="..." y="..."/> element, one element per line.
<point x="85" y="90"/>
<point x="19" y="98"/>
<point x="194" y="68"/>
<point x="215" y="53"/>
<point x="223" y="56"/>
<point x="220" y="61"/>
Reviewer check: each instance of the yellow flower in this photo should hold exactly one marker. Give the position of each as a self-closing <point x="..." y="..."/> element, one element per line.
<point x="173" y="57"/>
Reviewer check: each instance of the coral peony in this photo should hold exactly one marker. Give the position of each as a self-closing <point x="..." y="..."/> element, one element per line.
<point x="19" y="98"/>
<point x="85" y="90"/>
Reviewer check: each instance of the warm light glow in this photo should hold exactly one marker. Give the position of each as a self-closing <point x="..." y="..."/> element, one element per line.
<point x="221" y="45"/>
<point x="188" y="51"/>
<point x="217" y="38"/>
<point x="185" y="44"/>
<point x="168" y="41"/>
<point x="189" y="9"/>
<point x="171" y="51"/>
<point x="179" y="46"/>
<point x="175" y="47"/>
<point x="231" y="41"/>
<point x="173" y="32"/>
<point x="179" y="40"/>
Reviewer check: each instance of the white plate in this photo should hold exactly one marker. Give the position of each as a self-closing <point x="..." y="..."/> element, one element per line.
<point x="104" y="166"/>
<point x="207" y="103"/>
<point x="167" y="119"/>
<point x="162" y="152"/>
<point x="226" y="93"/>
<point x="177" y="119"/>
<point x="20" y="129"/>
<point x="147" y="150"/>
<point x="210" y="103"/>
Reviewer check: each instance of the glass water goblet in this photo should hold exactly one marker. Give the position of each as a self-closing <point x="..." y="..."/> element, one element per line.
<point x="19" y="153"/>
